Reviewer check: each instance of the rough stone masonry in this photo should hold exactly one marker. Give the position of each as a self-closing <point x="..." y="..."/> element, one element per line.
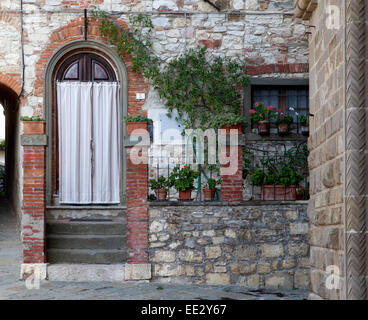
<point x="262" y="246"/>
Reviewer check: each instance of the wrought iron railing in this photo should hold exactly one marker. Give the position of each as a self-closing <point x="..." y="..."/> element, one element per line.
<point x="271" y="172"/>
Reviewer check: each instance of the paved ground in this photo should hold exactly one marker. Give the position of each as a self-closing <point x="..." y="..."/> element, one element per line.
<point x="12" y="288"/>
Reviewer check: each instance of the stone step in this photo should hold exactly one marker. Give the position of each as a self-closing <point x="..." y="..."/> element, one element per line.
<point x="86" y="241"/>
<point x="88" y="256"/>
<point x="85" y="212"/>
<point x="86" y="227"/>
<point x="86" y="272"/>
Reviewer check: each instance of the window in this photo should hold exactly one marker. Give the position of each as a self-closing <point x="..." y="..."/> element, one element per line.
<point x="283" y="94"/>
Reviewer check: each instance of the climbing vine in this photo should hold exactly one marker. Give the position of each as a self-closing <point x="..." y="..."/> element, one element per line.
<point x="202" y="91"/>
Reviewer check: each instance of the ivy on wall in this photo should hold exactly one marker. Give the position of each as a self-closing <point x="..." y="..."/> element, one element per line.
<point x="205" y="91"/>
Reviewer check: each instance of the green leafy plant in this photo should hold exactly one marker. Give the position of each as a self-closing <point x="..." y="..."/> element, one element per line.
<point x="137" y="118"/>
<point x="247" y="162"/>
<point x="228" y="120"/>
<point x="261" y="112"/>
<point x="212" y="183"/>
<point x="2" y="145"/>
<point x="258" y="177"/>
<point x="183" y="179"/>
<point x="33" y="118"/>
<point x="151" y="197"/>
<point x="202" y="91"/>
<point x="303" y="120"/>
<point x="285" y="119"/>
<point x="160" y="183"/>
<point x="285" y="169"/>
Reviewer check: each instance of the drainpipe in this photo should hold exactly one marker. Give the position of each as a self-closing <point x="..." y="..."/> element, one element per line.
<point x="22" y="46"/>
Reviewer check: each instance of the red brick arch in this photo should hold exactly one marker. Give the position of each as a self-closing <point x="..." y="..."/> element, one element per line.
<point x="11" y="82"/>
<point x="74" y="30"/>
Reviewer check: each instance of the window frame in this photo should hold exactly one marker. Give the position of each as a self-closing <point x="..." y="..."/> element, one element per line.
<point x="272" y="82"/>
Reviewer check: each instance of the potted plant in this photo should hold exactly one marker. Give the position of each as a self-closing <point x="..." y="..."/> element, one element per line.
<point x="228" y="121"/>
<point x="277" y="183"/>
<point x="33" y="125"/>
<point x="160" y="186"/>
<point x="183" y="181"/>
<point x="137" y="122"/>
<point x="262" y="116"/>
<point x="210" y="191"/>
<point x="283" y="124"/>
<point x="304" y="125"/>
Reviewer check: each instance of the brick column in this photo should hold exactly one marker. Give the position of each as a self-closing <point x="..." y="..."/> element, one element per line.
<point x="137" y="209"/>
<point x="231" y="184"/>
<point x="34" y="203"/>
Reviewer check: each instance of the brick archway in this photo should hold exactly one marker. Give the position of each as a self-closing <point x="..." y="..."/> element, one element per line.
<point x="11" y="83"/>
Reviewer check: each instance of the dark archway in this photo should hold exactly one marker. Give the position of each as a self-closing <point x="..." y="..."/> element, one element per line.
<point x="10" y="102"/>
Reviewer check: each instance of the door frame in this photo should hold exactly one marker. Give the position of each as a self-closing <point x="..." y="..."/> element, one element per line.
<point x="110" y="54"/>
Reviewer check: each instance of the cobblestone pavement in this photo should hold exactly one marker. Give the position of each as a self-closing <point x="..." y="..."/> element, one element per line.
<point x="12" y="288"/>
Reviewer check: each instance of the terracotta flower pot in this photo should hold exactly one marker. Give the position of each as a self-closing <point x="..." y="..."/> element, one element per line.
<point x="235" y="127"/>
<point x="304" y="130"/>
<point x="161" y="194"/>
<point x="209" y="194"/>
<point x="283" y="129"/>
<point x="140" y="126"/>
<point x="263" y="127"/>
<point x="34" y="127"/>
<point x="278" y="192"/>
<point x="185" y="195"/>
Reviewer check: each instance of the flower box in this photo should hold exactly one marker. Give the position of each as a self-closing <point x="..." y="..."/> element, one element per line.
<point x="140" y="126"/>
<point x="278" y="192"/>
<point x="34" y="127"/>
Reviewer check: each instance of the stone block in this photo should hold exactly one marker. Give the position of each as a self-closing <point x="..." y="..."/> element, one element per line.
<point x="164" y="256"/>
<point x="213" y="252"/>
<point x="137" y="272"/>
<point x="272" y="250"/>
<point x="298" y="228"/>
<point x="217" y="279"/>
<point x="279" y="281"/>
<point x="246" y="252"/>
<point x="243" y="268"/>
<point x="194" y="256"/>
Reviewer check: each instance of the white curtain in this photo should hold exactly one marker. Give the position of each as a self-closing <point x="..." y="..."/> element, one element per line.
<point x="89" y="142"/>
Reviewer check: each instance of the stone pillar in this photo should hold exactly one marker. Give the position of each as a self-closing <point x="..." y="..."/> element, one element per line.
<point x="137" y="208"/>
<point x="231" y="154"/>
<point x="34" y="205"/>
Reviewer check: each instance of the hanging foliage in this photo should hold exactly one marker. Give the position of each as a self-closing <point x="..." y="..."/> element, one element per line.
<point x="202" y="91"/>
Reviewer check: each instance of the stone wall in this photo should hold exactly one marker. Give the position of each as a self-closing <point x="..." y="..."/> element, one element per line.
<point x="327" y="100"/>
<point x="253" y="245"/>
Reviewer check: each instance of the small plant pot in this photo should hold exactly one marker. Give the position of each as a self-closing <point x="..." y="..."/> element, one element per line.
<point x="185" y="195"/>
<point x="263" y="128"/>
<point x="304" y="130"/>
<point x="283" y="129"/>
<point x="209" y="194"/>
<point x="34" y="127"/>
<point x="161" y="194"/>
<point x="278" y="192"/>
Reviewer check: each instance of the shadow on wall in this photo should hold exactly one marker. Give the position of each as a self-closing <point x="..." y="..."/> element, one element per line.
<point x="10" y="103"/>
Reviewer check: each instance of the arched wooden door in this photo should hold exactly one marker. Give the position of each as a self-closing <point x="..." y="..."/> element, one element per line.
<point x="87" y="131"/>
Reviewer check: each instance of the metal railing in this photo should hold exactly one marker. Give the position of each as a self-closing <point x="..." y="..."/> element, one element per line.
<point x="271" y="172"/>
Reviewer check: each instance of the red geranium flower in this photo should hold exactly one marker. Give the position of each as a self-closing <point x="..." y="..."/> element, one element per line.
<point x="252" y="111"/>
<point x="270" y="108"/>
